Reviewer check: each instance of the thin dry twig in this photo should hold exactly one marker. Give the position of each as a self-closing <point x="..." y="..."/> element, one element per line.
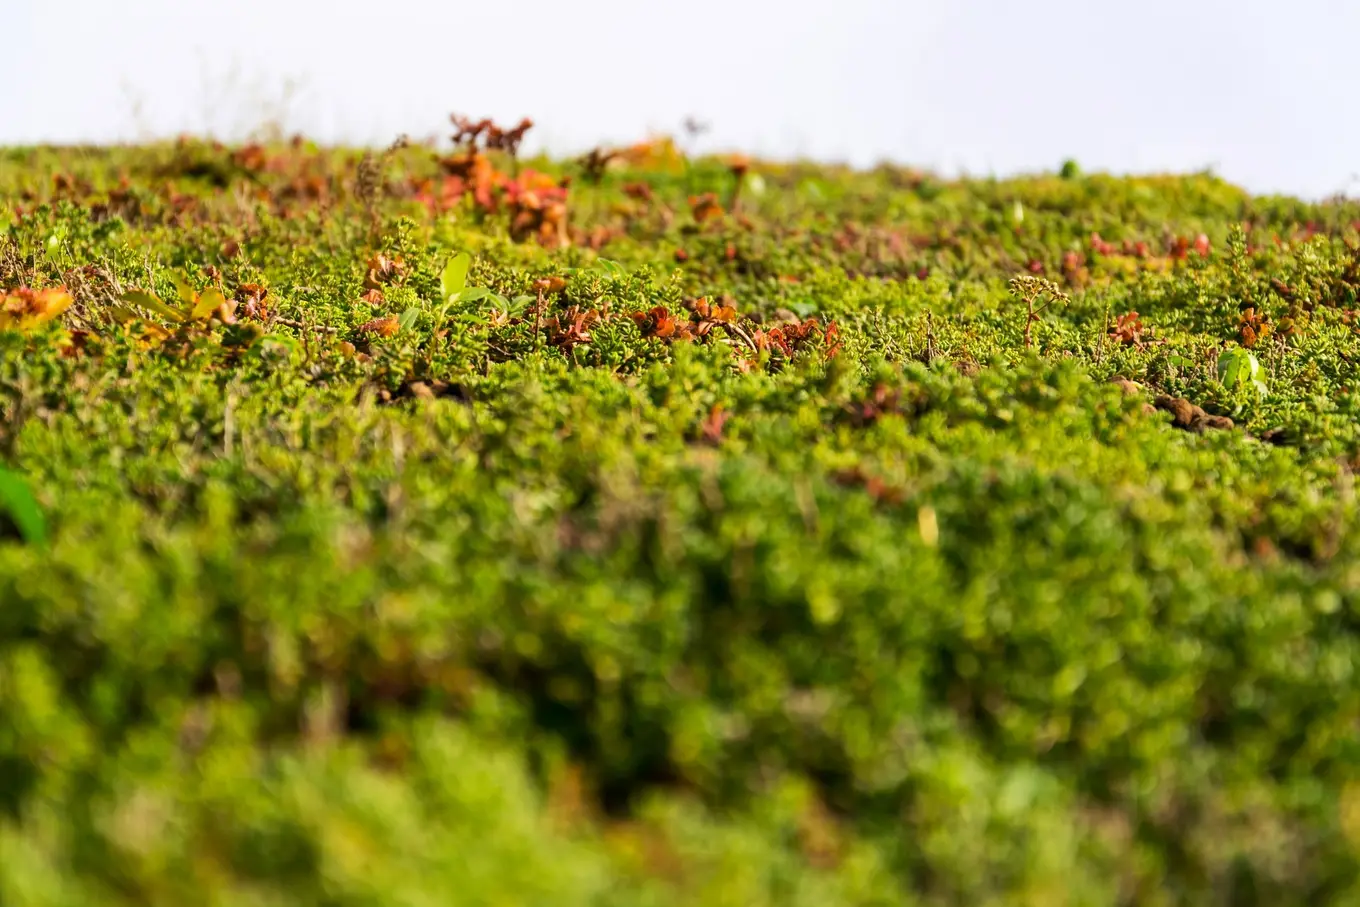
<point x="302" y="326"/>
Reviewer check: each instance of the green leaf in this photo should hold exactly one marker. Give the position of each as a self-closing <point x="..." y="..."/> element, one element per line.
<point x="1238" y="367"/>
<point x="473" y="294"/>
<point x="121" y="313"/>
<point x="454" y="278"/>
<point x="183" y="289"/>
<point x="152" y="303"/>
<point x="408" y="318"/>
<point x="17" y="500"/>
<point x="1230" y="365"/>
<point x="208" y="302"/>
<point x="517" y="305"/>
<point x="613" y="268"/>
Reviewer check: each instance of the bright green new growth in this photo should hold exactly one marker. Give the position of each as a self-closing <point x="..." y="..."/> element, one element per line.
<point x="1239" y="368"/>
<point x="453" y="280"/>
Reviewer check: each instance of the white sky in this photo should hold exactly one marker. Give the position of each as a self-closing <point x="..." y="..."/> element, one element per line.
<point x="1265" y="93"/>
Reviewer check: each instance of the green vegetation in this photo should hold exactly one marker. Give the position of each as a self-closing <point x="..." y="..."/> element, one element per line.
<point x="455" y="528"/>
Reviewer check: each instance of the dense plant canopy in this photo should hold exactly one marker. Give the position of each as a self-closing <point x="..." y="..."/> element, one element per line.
<point x="439" y="526"/>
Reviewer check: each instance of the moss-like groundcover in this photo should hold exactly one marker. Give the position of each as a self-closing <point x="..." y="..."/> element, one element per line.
<point x="438" y="526"/>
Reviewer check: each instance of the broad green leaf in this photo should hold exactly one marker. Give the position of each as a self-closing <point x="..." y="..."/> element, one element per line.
<point x="613" y="268"/>
<point x="408" y="318"/>
<point x="151" y="302"/>
<point x="454" y="278"/>
<point x="17" y="500"/>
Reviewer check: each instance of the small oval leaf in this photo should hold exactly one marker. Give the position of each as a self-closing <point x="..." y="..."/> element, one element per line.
<point x="454" y="278"/>
<point x="18" y="502"/>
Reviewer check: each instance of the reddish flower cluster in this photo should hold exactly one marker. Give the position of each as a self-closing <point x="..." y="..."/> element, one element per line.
<point x="536" y="202"/>
<point x="486" y="133"/>
<point x="1128" y="330"/>
<point x="704" y="316"/>
<point x="661" y="324"/>
<point x="570" y="328"/>
<point x="383" y="271"/>
<point x="538" y="208"/>
<point x="1253" y="327"/>
<point x="794" y="336"/>
<point x="1180" y="247"/>
<point x="1137" y="249"/>
<point x="705" y="207"/>
<point x="251" y="298"/>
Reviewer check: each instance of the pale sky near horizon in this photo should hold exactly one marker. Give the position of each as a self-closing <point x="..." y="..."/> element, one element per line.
<point x="1264" y="93"/>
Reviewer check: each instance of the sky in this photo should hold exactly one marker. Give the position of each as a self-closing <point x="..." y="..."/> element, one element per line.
<point x="1263" y="93"/>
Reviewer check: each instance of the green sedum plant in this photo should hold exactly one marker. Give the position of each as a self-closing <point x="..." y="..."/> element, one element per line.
<point x="448" y="531"/>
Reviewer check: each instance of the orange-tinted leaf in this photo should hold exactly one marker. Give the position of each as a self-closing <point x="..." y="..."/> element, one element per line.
<point x="24" y="308"/>
<point x="382" y="327"/>
<point x="705" y="207"/>
<point x="209" y="301"/>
